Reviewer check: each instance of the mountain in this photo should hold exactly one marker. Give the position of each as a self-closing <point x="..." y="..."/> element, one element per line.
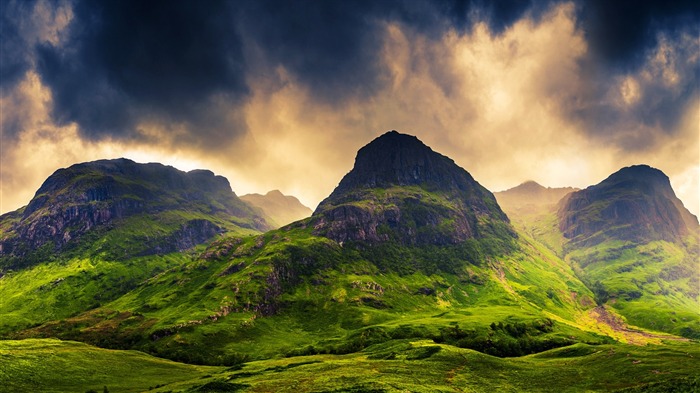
<point x="636" y="246"/>
<point x="409" y="270"/>
<point x="158" y="209"/>
<point x="401" y="190"/>
<point x="635" y="203"/>
<point x="282" y="209"/>
<point x="530" y="196"/>
<point x="407" y="244"/>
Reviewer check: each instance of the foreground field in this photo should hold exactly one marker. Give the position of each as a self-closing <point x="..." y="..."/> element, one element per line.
<point x="396" y="366"/>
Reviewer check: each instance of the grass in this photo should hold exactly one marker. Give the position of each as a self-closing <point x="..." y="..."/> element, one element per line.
<point x="289" y="310"/>
<point x="50" y="365"/>
<point x="58" y="290"/>
<point x="288" y="291"/>
<point x="653" y="285"/>
<point x="394" y="366"/>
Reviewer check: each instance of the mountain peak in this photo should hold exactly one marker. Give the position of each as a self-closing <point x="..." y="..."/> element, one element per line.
<point x="401" y="189"/>
<point x="529" y="185"/>
<point x="275" y="194"/>
<point x="635" y="203"/>
<point x="640" y="173"/>
<point x="395" y="159"/>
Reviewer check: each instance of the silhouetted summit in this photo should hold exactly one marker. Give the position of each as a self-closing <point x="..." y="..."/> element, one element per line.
<point x="530" y="195"/>
<point x="395" y="159"/>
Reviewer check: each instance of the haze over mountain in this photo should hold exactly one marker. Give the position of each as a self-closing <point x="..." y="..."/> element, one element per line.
<point x="530" y="197"/>
<point x="282" y="209"/>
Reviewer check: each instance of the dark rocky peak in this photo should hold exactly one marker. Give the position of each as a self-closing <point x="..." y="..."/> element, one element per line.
<point x="395" y="159"/>
<point x="642" y="178"/>
<point x="400" y="189"/>
<point x="636" y="203"/>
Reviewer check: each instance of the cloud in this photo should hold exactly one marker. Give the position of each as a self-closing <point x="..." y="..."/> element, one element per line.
<point x="621" y="32"/>
<point x="274" y="94"/>
<point x="128" y="62"/>
<point x="498" y="103"/>
<point x="24" y="24"/>
<point x="629" y="109"/>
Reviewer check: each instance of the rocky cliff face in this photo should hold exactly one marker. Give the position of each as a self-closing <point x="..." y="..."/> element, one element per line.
<point x="83" y="197"/>
<point x="401" y="190"/>
<point x="282" y="209"/>
<point x="636" y="203"/>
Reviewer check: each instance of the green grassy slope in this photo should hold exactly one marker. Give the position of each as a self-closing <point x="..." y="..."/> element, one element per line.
<point x="653" y="285"/>
<point x="57" y="290"/>
<point x="650" y="284"/>
<point x="290" y="292"/>
<point x="50" y="365"/>
<point x="396" y="366"/>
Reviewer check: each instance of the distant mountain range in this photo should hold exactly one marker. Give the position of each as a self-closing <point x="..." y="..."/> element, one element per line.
<point x="409" y="264"/>
<point x="531" y="195"/>
<point x="281" y="209"/>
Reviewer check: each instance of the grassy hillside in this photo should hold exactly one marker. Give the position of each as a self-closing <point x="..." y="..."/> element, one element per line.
<point x="408" y="277"/>
<point x="653" y="285"/>
<point x="51" y="365"/>
<point x="650" y="284"/>
<point x="290" y="292"/>
<point x="396" y="366"/>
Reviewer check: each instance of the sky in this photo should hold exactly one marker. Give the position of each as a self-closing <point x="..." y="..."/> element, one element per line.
<point x="282" y="94"/>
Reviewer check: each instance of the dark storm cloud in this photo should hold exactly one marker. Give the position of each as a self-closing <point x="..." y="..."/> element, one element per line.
<point x="190" y="63"/>
<point x="621" y="31"/>
<point x="126" y="61"/>
<point x="330" y="46"/>
<point x="647" y="41"/>
<point x="333" y="47"/>
<point x="15" y="59"/>
<point x="15" y="47"/>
